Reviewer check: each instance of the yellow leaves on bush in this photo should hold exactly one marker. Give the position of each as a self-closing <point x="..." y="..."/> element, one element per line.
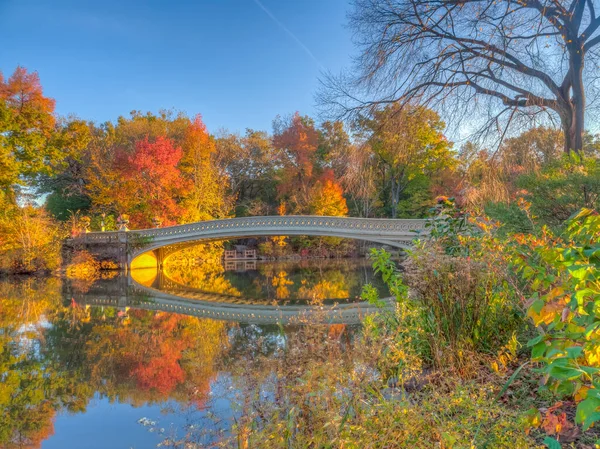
<point x="83" y="266"/>
<point x="549" y="312"/>
<point x="592" y="355"/>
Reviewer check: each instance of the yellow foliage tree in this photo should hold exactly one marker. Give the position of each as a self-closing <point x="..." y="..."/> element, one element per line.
<point x="328" y="199"/>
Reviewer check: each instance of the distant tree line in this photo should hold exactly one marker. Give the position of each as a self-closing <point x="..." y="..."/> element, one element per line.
<point x="166" y="168"/>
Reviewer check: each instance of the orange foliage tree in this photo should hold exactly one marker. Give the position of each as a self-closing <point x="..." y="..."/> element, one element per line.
<point x="26" y="125"/>
<point x="327" y="197"/>
<point x="297" y="141"/>
<point x="206" y="196"/>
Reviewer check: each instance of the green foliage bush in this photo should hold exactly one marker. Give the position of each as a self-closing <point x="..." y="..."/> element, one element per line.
<point x="510" y="217"/>
<point x="563" y="276"/>
<point x="467" y="303"/>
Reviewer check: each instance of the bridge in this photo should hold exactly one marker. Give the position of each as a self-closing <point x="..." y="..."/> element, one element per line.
<point x="150" y="247"/>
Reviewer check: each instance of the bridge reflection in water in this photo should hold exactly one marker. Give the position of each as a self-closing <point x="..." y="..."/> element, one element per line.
<point x="161" y="293"/>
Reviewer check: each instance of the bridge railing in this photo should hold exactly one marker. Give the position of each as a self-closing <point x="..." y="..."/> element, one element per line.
<point x="380" y="226"/>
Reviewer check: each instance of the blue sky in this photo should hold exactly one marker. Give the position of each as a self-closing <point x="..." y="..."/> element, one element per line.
<point x="237" y="62"/>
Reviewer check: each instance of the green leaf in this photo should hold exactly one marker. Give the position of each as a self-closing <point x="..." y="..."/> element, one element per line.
<point x="538" y="350"/>
<point x="574" y="352"/>
<point x="591" y="328"/>
<point x="591" y="252"/>
<point x="552" y="443"/>
<point x="586" y="411"/>
<point x="535" y="341"/>
<point x="537" y="305"/>
<point x="581" y="294"/>
<point x="590" y="370"/>
<point x="591" y="420"/>
<point x="564" y="372"/>
<point x="580" y="272"/>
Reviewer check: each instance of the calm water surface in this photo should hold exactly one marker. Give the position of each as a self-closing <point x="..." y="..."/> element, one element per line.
<point x="134" y="363"/>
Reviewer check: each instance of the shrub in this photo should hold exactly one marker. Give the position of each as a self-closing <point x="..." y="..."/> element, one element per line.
<point x="30" y="240"/>
<point x="466" y="301"/>
<point x="83" y="266"/>
<point x="511" y="217"/>
<point x="457" y="289"/>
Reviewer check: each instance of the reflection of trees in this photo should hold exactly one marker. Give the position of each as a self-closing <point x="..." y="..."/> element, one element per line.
<point x="142" y="356"/>
<point x="277" y="376"/>
<point x="31" y="387"/>
<point x="56" y="355"/>
<point x="154" y="356"/>
<point x="281" y="282"/>
<point x="200" y="267"/>
<point x="334" y="285"/>
<point x="311" y="280"/>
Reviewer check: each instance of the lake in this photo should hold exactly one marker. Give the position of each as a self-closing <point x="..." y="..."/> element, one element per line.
<point x="160" y="358"/>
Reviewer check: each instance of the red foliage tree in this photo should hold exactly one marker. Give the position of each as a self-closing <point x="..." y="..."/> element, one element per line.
<point x="152" y="181"/>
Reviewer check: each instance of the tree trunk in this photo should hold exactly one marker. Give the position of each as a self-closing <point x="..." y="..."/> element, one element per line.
<point x="574" y="126"/>
<point x="394" y="192"/>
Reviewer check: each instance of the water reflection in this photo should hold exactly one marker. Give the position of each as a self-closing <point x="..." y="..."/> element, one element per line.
<point x="75" y="359"/>
<point x="283" y="282"/>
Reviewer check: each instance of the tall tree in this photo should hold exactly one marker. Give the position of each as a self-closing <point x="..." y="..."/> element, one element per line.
<point x="145" y="184"/>
<point x="207" y="196"/>
<point x="520" y="58"/>
<point x="531" y="150"/>
<point x="66" y="184"/>
<point x="409" y="147"/>
<point x="297" y="141"/>
<point x="26" y="126"/>
<point x="249" y="163"/>
<point x="327" y="198"/>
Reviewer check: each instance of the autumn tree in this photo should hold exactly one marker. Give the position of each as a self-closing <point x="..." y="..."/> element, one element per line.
<point x="334" y="145"/>
<point x="145" y="184"/>
<point x="503" y="62"/>
<point x="207" y="196"/>
<point x="30" y="240"/>
<point x="172" y="176"/>
<point x="409" y="148"/>
<point x="249" y="163"/>
<point x="297" y="141"/>
<point x="26" y="126"/>
<point x="65" y="186"/>
<point x="327" y="198"/>
<point x="531" y="150"/>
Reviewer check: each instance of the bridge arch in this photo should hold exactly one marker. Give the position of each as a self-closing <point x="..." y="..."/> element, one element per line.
<point x="161" y="242"/>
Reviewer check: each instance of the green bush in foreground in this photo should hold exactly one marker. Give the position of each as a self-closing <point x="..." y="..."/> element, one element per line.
<point x="563" y="272"/>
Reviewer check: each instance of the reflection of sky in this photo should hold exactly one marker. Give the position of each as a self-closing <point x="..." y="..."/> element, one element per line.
<point x="122" y="425"/>
<point x="27" y="344"/>
<point x="119" y="425"/>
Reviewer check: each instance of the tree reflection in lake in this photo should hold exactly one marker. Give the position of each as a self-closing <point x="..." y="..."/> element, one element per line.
<point x="61" y="358"/>
<point x="282" y="281"/>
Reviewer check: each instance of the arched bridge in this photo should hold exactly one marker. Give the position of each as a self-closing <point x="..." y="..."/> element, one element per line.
<point x="162" y="242"/>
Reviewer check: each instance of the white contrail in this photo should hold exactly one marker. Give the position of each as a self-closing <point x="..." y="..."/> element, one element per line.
<point x="289" y="33"/>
